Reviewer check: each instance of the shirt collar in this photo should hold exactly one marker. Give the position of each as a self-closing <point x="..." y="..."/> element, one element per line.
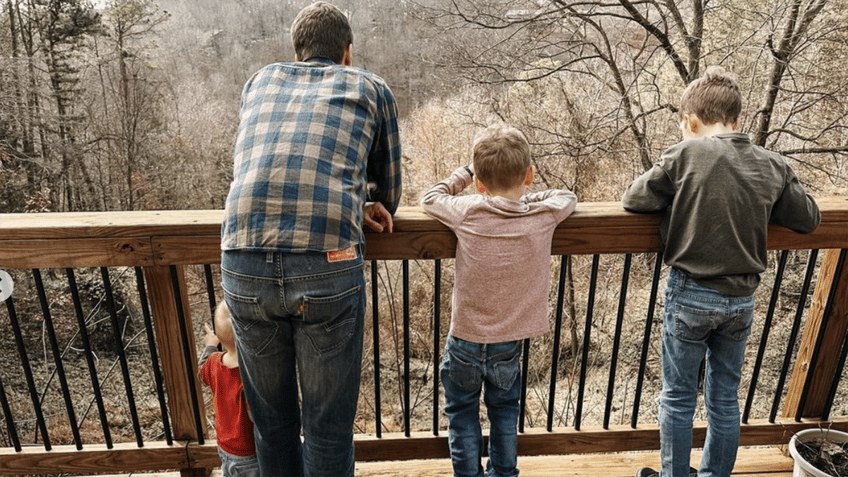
<point x="319" y="59"/>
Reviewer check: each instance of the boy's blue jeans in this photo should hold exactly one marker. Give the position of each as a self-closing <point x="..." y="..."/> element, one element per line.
<point x="700" y="323"/>
<point x="298" y="321"/>
<point x="466" y="369"/>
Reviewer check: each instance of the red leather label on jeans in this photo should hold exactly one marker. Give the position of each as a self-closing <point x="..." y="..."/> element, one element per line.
<point x="342" y="255"/>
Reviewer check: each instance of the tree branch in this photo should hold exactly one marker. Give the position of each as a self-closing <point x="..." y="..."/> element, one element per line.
<point x="661" y="36"/>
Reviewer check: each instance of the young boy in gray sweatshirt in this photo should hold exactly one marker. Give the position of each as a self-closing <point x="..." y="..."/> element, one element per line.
<point x="718" y="192"/>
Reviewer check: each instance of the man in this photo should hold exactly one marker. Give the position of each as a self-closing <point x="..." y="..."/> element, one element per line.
<point x="316" y="158"/>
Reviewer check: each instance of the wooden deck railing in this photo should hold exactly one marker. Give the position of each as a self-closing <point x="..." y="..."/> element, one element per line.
<point x="160" y="245"/>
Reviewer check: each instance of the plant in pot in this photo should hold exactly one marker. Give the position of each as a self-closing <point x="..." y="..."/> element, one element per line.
<point x="820" y="453"/>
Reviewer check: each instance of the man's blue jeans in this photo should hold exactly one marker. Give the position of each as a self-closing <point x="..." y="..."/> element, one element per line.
<point x="298" y="321"/>
<point x="700" y="323"/>
<point x="466" y="369"/>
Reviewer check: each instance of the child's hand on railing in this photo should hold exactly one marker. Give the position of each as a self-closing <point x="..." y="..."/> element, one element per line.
<point x="210" y="339"/>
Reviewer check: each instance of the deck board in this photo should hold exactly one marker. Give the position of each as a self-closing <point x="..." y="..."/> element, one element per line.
<point x="751" y="462"/>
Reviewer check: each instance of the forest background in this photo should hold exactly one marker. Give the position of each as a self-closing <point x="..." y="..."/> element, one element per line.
<point x="133" y="105"/>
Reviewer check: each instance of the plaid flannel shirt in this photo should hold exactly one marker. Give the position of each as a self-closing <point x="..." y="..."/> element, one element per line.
<point x="316" y="141"/>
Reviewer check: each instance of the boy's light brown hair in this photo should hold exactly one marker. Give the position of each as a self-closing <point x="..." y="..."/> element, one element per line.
<point x="714" y="97"/>
<point x="321" y="29"/>
<point x="501" y="157"/>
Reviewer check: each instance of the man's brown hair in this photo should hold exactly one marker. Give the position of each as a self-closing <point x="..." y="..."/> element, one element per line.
<point x="714" y="97"/>
<point x="321" y="30"/>
<point x="501" y="156"/>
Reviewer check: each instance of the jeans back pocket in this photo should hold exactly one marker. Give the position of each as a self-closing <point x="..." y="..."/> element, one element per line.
<point x="330" y="322"/>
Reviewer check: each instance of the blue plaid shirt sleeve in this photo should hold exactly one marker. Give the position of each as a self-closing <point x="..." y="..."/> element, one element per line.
<point x="384" y="165"/>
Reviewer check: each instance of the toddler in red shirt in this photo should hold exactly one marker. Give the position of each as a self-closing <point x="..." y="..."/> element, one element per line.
<point x="233" y="425"/>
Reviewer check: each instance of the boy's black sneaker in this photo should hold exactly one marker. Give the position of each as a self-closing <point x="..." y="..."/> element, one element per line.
<point x="649" y="472"/>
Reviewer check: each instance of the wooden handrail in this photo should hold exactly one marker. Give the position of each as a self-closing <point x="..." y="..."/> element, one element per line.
<point x="57" y="240"/>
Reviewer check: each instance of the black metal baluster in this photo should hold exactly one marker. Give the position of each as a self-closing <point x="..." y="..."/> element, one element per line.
<point x="831" y="298"/>
<point x="525" y="372"/>
<point x="622" y="300"/>
<point x="210" y="289"/>
<point x="587" y="333"/>
<point x="793" y="335"/>
<point x="210" y="293"/>
<point x="4" y="402"/>
<point x="189" y="363"/>
<point x="57" y="358"/>
<point x="755" y="373"/>
<point x="375" y="328"/>
<point x="563" y="267"/>
<point x="154" y="354"/>
<point x="89" y="357"/>
<point x="122" y="357"/>
<point x="643" y="359"/>
<point x="10" y="420"/>
<point x="407" y="408"/>
<point x="33" y="393"/>
<point x="437" y="327"/>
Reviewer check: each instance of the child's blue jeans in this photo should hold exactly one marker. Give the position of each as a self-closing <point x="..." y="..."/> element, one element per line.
<point x="238" y="466"/>
<point x="700" y="323"/>
<point x="468" y="368"/>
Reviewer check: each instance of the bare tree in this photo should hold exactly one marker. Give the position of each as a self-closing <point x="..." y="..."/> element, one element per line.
<point x="64" y="26"/>
<point x="45" y="44"/>
<point x="644" y="53"/>
<point x="129" y="94"/>
<point x="19" y="113"/>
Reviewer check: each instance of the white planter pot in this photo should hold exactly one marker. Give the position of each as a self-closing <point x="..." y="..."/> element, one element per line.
<point x="802" y="467"/>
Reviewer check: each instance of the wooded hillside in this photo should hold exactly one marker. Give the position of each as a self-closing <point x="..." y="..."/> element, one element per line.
<point x="132" y="104"/>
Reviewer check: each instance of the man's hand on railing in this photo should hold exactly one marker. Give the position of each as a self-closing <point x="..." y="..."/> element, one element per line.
<point x="376" y="217"/>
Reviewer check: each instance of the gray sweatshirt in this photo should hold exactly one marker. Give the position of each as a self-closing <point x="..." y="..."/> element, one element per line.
<point x="718" y="195"/>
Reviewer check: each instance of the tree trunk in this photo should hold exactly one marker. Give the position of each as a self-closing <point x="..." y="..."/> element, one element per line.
<point x="797" y="25"/>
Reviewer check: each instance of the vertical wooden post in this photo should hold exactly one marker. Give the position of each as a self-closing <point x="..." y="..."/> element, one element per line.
<point x="831" y="330"/>
<point x="172" y="355"/>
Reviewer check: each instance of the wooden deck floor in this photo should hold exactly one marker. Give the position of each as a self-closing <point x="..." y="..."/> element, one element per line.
<point x="751" y="462"/>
